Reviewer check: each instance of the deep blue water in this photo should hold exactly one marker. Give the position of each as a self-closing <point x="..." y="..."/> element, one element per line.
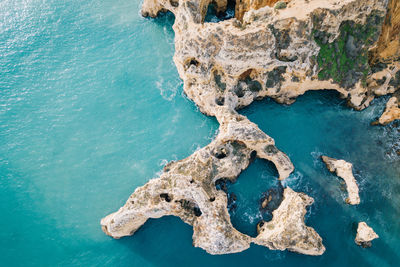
<point x="91" y="107"/>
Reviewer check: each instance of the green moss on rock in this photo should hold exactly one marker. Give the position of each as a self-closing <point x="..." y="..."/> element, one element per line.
<point x="345" y="60"/>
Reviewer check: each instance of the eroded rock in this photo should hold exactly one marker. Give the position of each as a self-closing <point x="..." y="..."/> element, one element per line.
<point x="392" y="111"/>
<point x="187" y="188"/>
<point x="365" y="235"/>
<point x="287" y="229"/>
<point x="344" y="170"/>
<point x="268" y="52"/>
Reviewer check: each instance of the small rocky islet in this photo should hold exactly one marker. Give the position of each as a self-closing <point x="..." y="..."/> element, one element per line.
<point x="276" y="49"/>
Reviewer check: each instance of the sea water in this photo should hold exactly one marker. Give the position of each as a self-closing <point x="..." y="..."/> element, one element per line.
<point x="91" y="107"/>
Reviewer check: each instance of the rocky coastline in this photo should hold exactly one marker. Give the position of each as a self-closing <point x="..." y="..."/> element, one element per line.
<point x="349" y="46"/>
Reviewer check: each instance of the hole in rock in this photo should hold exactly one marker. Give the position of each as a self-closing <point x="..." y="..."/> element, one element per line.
<point x="174" y="3"/>
<point x="191" y="62"/>
<point x="246" y="82"/>
<point x="220" y="101"/>
<point x="214" y="16"/>
<point x="260" y="179"/>
<point x="220" y="152"/>
<point x="166" y="197"/>
<point x="190" y="207"/>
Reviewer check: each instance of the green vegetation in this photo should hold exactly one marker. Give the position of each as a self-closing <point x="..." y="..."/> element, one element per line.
<point x="280" y="5"/>
<point x="345" y="60"/>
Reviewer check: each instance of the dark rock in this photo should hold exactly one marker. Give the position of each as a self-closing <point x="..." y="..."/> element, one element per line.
<point x="220" y="152"/>
<point x="275" y="76"/>
<point x="271" y="149"/>
<point x="220" y="101"/>
<point x="272" y="199"/>
<point x="166" y="197"/>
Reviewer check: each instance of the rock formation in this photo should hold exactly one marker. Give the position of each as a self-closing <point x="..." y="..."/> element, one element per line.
<point x="287" y="230"/>
<point x="268" y="52"/>
<point x="365" y="235"/>
<point x="242" y="6"/>
<point x="344" y="170"/>
<point x="392" y="111"/>
<point x="187" y="189"/>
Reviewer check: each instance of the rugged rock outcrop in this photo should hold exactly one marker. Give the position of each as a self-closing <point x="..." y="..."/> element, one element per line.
<point x="310" y="45"/>
<point x="242" y="6"/>
<point x="187" y="189"/>
<point x="268" y="52"/>
<point x="392" y="111"/>
<point x="365" y="235"/>
<point x="388" y="47"/>
<point x="287" y="230"/>
<point x="344" y="170"/>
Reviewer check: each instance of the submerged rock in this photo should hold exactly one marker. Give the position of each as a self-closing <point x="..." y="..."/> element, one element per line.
<point x="344" y="170"/>
<point x="365" y="235"/>
<point x="287" y="229"/>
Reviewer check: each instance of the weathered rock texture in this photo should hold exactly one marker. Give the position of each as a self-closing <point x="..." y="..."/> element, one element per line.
<point x="392" y="111"/>
<point x="242" y="6"/>
<point x="388" y="46"/>
<point x="365" y="235"/>
<point x="287" y="230"/>
<point x="187" y="189"/>
<point x="268" y="52"/>
<point x="344" y="170"/>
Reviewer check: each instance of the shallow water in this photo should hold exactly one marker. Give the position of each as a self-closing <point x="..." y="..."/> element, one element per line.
<point x="91" y="107"/>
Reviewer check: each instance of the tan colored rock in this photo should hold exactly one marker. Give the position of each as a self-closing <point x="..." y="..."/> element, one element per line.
<point x="392" y="111"/>
<point x="365" y="235"/>
<point x="226" y="66"/>
<point x="242" y="6"/>
<point x="271" y="53"/>
<point x="344" y="170"/>
<point x="186" y="188"/>
<point x="287" y="229"/>
<point x="388" y="46"/>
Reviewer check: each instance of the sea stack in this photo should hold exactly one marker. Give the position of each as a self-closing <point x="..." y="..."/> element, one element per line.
<point x="365" y="235"/>
<point x="344" y="170"/>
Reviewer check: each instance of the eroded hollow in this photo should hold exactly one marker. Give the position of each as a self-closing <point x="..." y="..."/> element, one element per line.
<point x="214" y="17"/>
<point x="244" y="195"/>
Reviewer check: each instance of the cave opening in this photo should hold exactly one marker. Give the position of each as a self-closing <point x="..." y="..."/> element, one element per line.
<point x="214" y="17"/>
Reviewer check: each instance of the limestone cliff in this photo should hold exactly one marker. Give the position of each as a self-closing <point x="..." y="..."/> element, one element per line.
<point x="387" y="51"/>
<point x="263" y="52"/>
<point x="242" y="6"/>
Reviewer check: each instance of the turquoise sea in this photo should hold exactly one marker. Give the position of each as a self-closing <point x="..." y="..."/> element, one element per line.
<point x="91" y="107"/>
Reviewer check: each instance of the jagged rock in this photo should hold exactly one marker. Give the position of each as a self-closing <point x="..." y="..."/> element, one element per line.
<point x="187" y="188"/>
<point x="344" y="170"/>
<point x="287" y="229"/>
<point x="392" y="111"/>
<point x="365" y="235"/>
<point x="242" y="7"/>
<point x="272" y="199"/>
<point x="226" y="66"/>
<point x="302" y="41"/>
<point x="388" y="46"/>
